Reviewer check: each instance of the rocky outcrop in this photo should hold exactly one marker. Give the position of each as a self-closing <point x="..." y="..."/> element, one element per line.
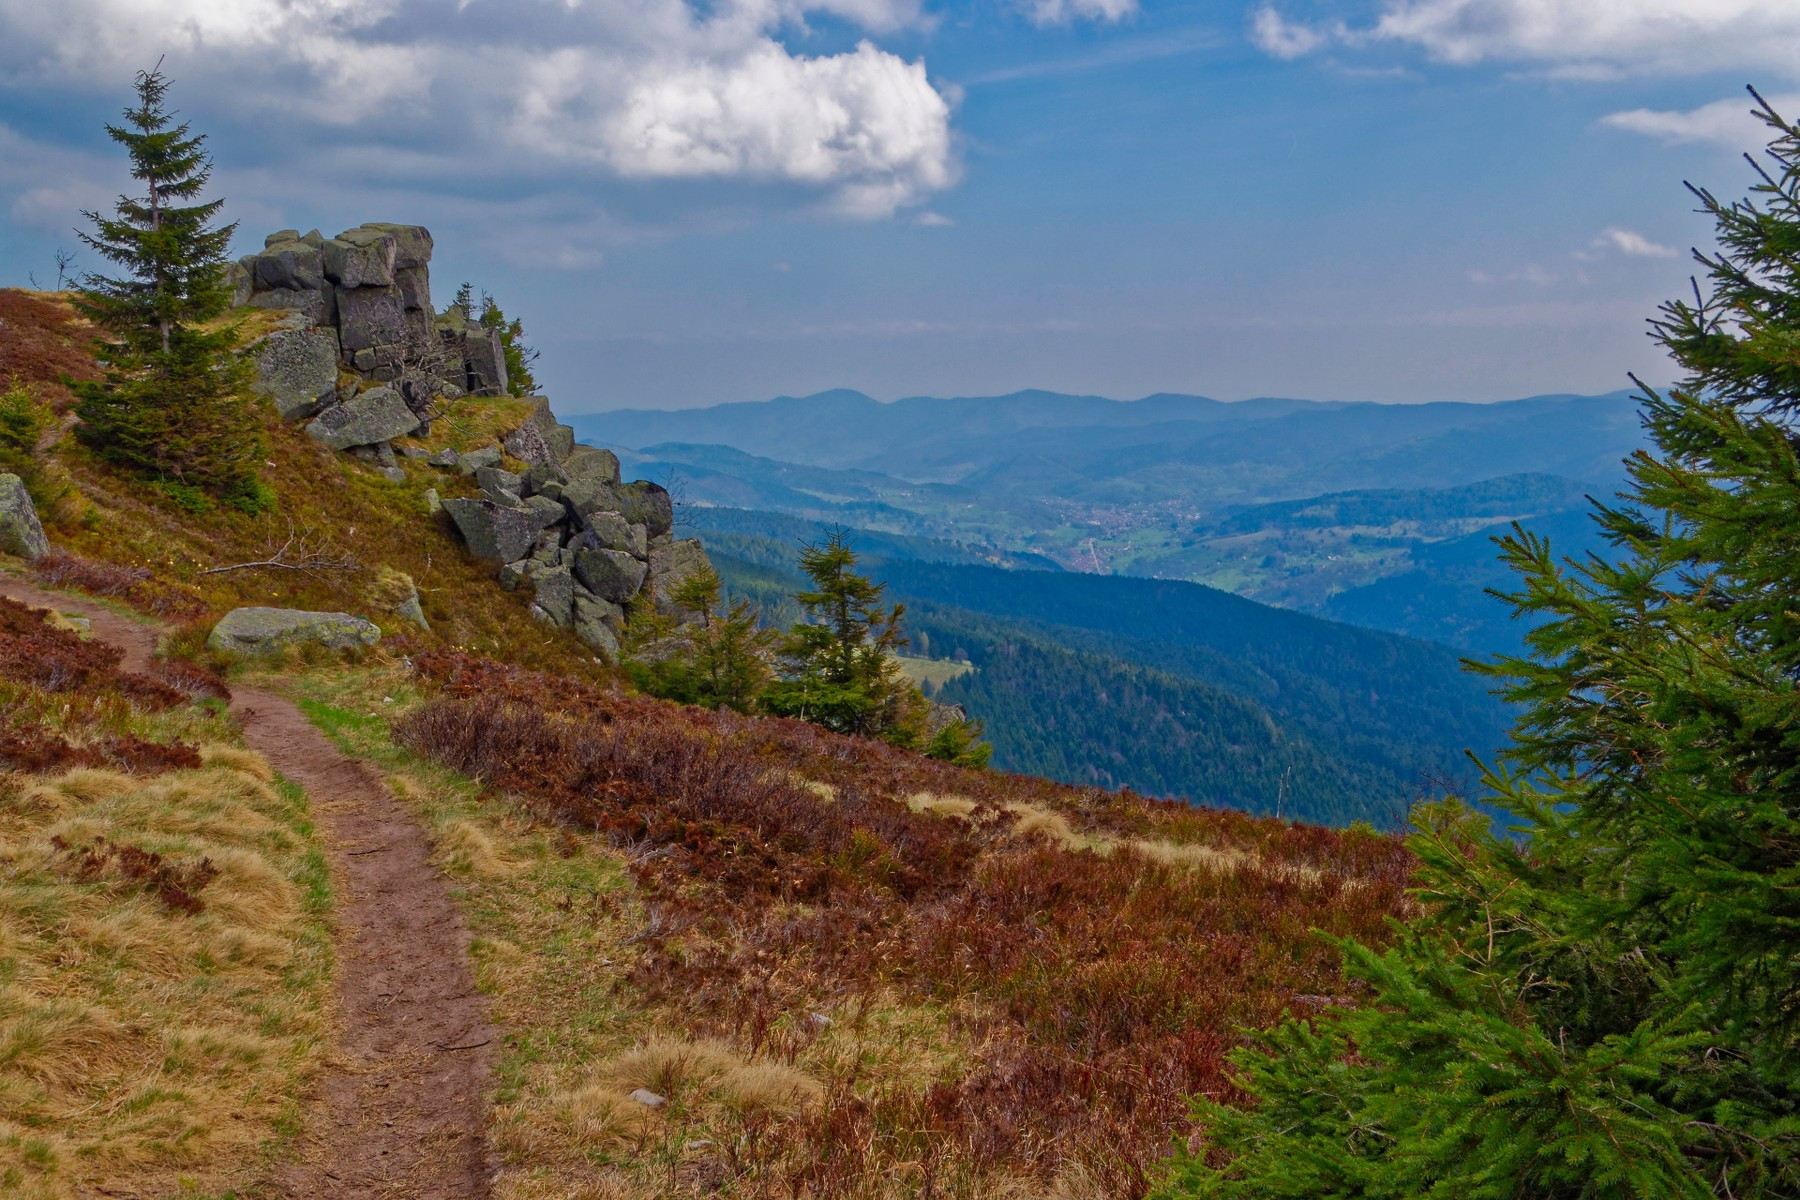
<point x="585" y="546"/>
<point x="362" y="358"/>
<point x="271" y="630"/>
<point x="21" y="533"/>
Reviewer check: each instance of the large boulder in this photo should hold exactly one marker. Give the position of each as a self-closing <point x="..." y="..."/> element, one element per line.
<point x="647" y="504"/>
<point x="289" y="264"/>
<point x="610" y="574"/>
<point x="20" y="531"/>
<point x="495" y="532"/>
<point x="361" y="258"/>
<point x="415" y="288"/>
<point x="373" y="416"/>
<point x="412" y="243"/>
<point x="591" y="463"/>
<point x="614" y="532"/>
<point x="370" y="317"/>
<point x="297" y="370"/>
<point x="269" y="630"/>
<point x="670" y="564"/>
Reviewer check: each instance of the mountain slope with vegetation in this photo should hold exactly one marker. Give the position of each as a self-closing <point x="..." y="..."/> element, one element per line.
<point x="1174" y="689"/>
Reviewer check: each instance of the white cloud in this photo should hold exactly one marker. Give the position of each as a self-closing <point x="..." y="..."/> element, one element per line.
<point x="1066" y="12"/>
<point x="1730" y="123"/>
<point x="1632" y="243"/>
<point x="1275" y="34"/>
<point x="935" y="220"/>
<point x="1575" y="38"/>
<point x="640" y="88"/>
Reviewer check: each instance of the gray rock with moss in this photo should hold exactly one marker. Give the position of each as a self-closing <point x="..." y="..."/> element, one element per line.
<point x="297" y="369"/>
<point x="271" y="630"/>
<point x="492" y="531"/>
<point x="21" y="533"/>
<point x="365" y="419"/>
<point x="610" y="574"/>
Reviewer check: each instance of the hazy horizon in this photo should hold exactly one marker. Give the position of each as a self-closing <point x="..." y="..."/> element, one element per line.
<point x="692" y="203"/>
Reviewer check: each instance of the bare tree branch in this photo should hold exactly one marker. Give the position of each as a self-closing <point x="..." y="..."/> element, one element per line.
<point x="300" y="552"/>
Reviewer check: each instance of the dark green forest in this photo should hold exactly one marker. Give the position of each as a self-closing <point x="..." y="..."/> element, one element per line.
<point x="1172" y="689"/>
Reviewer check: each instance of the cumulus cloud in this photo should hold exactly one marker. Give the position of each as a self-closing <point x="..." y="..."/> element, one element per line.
<point x="1578" y="37"/>
<point x="1275" y="34"/>
<point x="642" y="89"/>
<point x="1731" y="122"/>
<point x="1066" y="12"/>
<point x="1632" y="243"/>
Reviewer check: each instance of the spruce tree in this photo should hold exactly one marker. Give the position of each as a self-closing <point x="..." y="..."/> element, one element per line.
<point x="172" y="402"/>
<point x="1607" y="1003"/>
<point x="838" y="666"/>
<point x="718" y="659"/>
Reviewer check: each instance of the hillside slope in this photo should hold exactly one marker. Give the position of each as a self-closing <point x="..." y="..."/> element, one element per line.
<point x="1171" y="688"/>
<point x="731" y="954"/>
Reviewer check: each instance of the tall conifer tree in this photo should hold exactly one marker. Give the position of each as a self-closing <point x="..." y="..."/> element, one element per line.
<point x="172" y="401"/>
<point x="1608" y="1006"/>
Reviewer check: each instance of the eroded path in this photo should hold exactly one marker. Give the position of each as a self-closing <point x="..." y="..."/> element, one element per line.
<point x="403" y="1095"/>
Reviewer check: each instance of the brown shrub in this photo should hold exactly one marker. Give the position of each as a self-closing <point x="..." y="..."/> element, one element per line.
<point x="176" y="886"/>
<point x="1099" y="977"/>
<point x="34" y="652"/>
<point x="134" y="585"/>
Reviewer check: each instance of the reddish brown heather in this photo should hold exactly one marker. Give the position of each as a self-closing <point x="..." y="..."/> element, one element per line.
<point x="134" y="585"/>
<point x="58" y="678"/>
<point x="1096" y="990"/>
<point x="43" y="341"/>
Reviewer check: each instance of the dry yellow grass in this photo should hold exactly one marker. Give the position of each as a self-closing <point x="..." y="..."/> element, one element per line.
<point x="942" y="806"/>
<point x="139" y="1042"/>
<point x="1030" y="820"/>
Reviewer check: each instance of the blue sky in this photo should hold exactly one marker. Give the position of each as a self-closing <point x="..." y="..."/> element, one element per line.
<point x="691" y="202"/>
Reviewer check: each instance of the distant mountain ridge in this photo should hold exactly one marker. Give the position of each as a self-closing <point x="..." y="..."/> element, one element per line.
<point x="1381" y="514"/>
<point x="954" y="440"/>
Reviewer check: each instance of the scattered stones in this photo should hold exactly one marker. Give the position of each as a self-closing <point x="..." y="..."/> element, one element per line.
<point x="648" y="1098"/>
<point x="270" y="630"/>
<point x="20" y="531"/>
<point x="360" y="355"/>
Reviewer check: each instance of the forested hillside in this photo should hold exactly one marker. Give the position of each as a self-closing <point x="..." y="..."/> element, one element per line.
<point x="1172" y="688"/>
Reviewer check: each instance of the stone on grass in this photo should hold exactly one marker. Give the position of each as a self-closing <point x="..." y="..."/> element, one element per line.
<point x="492" y="531"/>
<point x="20" y="531"/>
<point x="374" y="416"/>
<point x="270" y="630"/>
<point x="474" y="460"/>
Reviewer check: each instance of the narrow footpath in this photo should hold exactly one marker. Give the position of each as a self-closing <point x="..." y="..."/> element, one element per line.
<point x="402" y="1105"/>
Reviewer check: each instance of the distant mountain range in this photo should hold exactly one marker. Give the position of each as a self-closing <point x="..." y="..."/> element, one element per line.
<point x="1378" y="514"/>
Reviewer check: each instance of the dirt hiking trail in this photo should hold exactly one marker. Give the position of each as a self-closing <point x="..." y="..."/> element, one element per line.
<point x="403" y="1096"/>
